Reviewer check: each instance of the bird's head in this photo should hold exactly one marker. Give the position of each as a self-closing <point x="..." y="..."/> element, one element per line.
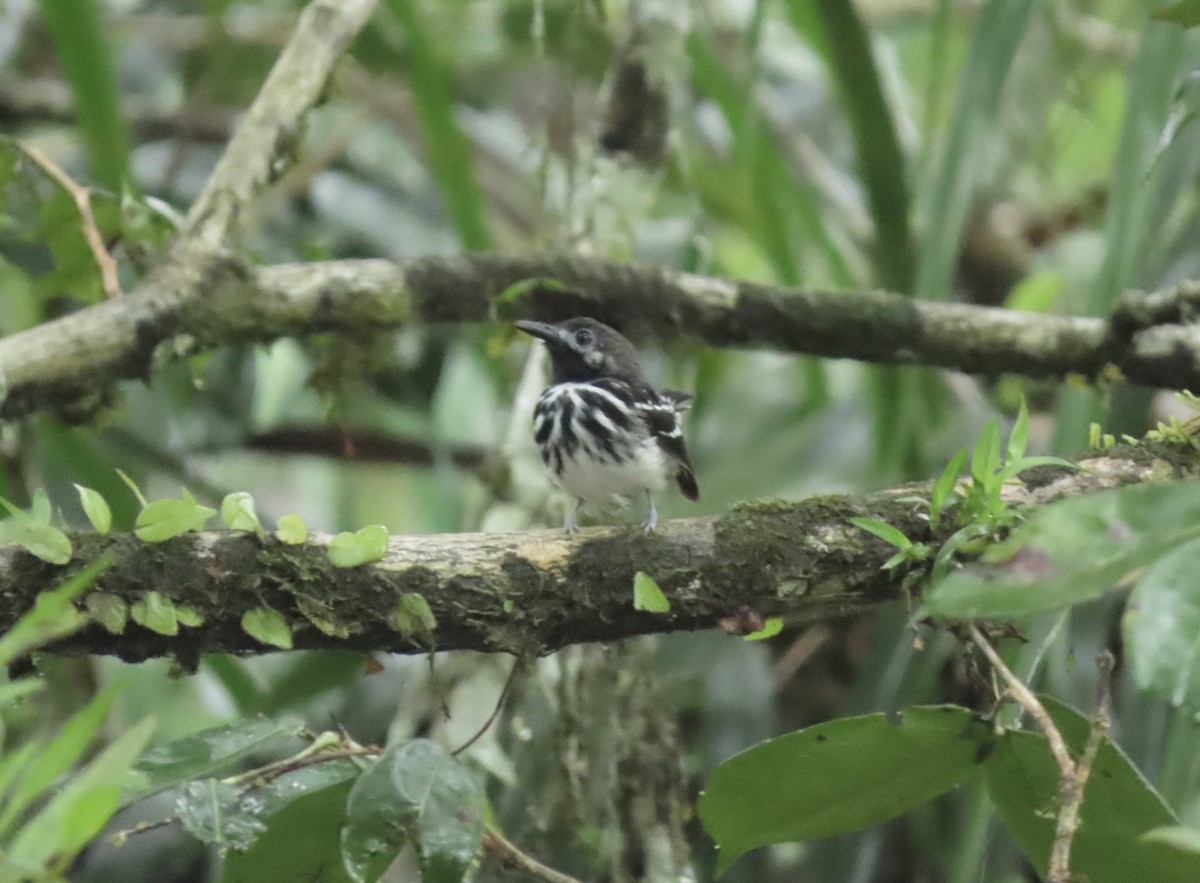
<point x="583" y="349"/>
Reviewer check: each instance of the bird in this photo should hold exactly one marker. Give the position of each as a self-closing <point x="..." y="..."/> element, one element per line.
<point x="603" y="431"/>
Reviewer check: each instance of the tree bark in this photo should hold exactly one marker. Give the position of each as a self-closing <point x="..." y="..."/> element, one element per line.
<point x="537" y="591"/>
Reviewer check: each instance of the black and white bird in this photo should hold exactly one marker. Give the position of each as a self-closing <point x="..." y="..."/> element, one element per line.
<point x="603" y="432"/>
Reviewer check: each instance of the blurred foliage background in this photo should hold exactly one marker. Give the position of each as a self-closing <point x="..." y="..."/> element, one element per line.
<point x="1039" y="155"/>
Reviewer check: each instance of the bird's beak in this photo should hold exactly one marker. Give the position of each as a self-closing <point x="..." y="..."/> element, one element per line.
<point x="543" y="330"/>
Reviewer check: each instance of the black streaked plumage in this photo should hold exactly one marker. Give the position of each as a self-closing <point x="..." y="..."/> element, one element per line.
<point x="602" y="430"/>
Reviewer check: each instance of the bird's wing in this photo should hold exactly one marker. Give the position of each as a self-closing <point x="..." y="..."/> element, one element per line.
<point x="661" y="414"/>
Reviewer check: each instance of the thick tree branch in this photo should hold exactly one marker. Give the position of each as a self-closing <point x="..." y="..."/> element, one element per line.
<point x="204" y="301"/>
<point x="529" y="592"/>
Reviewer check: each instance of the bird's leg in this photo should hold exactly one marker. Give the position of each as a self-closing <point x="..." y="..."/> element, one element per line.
<point x="570" y="524"/>
<point x="651" y="521"/>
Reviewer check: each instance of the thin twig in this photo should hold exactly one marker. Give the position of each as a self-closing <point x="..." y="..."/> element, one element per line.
<point x="505" y="852"/>
<point x="87" y="220"/>
<point x="1025" y="698"/>
<point x="487" y="724"/>
<point x="1068" y="817"/>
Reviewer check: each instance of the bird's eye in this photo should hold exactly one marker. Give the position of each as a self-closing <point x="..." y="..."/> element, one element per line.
<point x="583" y="337"/>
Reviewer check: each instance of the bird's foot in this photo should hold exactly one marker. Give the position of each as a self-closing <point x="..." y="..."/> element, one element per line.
<point x="651" y="521"/>
<point x="570" y="524"/>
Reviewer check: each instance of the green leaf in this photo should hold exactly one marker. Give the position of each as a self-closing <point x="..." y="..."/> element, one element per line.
<point x="165" y="519"/>
<point x="837" y="777"/>
<point x="291" y="530"/>
<point x="13" y="692"/>
<point x="208" y="753"/>
<point x="1175" y="836"/>
<point x="141" y="498"/>
<point x="413" y="616"/>
<point x="156" y="612"/>
<point x="944" y="486"/>
<point x="53" y="615"/>
<point x="189" y="616"/>
<point x="772" y="627"/>
<point x="1019" y="436"/>
<point x="109" y="610"/>
<point x="41" y="540"/>
<point x="985" y="461"/>
<point x="352" y="549"/>
<point x="648" y="596"/>
<point x="1162" y="626"/>
<point x="1119" y="806"/>
<point x="891" y="535"/>
<point x="60" y="829"/>
<point x="301" y="836"/>
<point x="416" y="792"/>
<point x="268" y="626"/>
<point x="518" y="290"/>
<point x="211" y="811"/>
<point x="58" y="756"/>
<point x="1074" y="550"/>
<point x="237" y="512"/>
<point x="95" y="508"/>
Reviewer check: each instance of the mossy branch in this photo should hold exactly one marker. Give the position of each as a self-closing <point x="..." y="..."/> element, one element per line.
<point x="203" y="300"/>
<point x="531" y="592"/>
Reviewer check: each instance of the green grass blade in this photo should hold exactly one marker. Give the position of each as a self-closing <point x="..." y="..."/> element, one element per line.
<point x="1001" y="25"/>
<point x="1132" y="212"/>
<point x="449" y="153"/>
<point x="880" y="161"/>
<point x="82" y="51"/>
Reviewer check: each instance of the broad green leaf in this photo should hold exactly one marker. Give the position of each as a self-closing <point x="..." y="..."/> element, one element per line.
<point x="367" y="545"/>
<point x="415" y="790"/>
<point x="772" y="627"/>
<point x="59" y="830"/>
<point x="268" y="626"/>
<point x="1073" y="551"/>
<point x="301" y="836"/>
<point x="291" y="530"/>
<point x="890" y="534"/>
<point x="109" y="610"/>
<point x="1162" y="626"/>
<point x="648" y="596"/>
<point x="413" y="617"/>
<point x="156" y="612"/>
<point x="208" y="753"/>
<point x="53" y="615"/>
<point x="237" y="512"/>
<point x="211" y="811"/>
<point x="165" y="519"/>
<point x="95" y="508"/>
<point x="56" y="757"/>
<point x="837" y="777"/>
<point x="41" y="540"/>
<point x="1119" y="806"/>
